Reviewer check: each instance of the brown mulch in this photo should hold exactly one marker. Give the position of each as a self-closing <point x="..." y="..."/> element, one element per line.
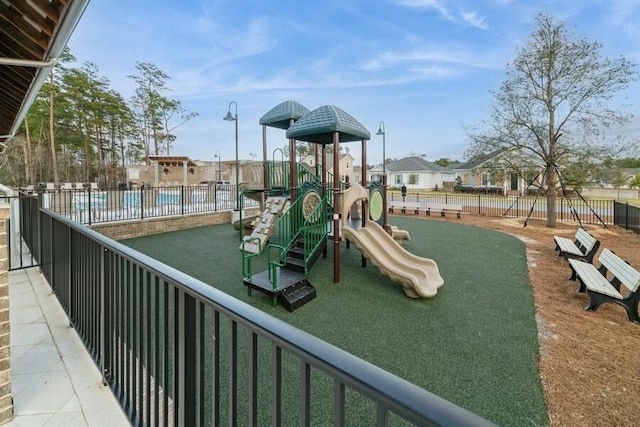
<point x="589" y="360"/>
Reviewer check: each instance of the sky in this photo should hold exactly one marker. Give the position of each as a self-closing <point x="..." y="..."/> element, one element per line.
<point x="426" y="68"/>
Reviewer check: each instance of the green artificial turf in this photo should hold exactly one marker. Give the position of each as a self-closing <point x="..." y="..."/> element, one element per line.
<point x="474" y="344"/>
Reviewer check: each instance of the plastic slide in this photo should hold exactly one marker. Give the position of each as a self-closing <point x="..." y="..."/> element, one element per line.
<point x="419" y="276"/>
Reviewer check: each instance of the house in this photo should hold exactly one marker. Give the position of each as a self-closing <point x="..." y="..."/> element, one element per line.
<point x="416" y="172"/>
<point x="505" y="171"/>
<point x="375" y="174"/>
<point x="345" y="165"/>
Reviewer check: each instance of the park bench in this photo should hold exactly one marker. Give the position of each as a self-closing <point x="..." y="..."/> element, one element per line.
<point x="584" y="247"/>
<point x="444" y="208"/>
<point x="404" y="206"/>
<point x="603" y="284"/>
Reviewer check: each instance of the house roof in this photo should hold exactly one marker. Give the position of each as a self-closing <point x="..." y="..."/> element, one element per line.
<point x="415" y="164"/>
<point x="320" y="125"/>
<point x="479" y="159"/>
<point x="32" y="36"/>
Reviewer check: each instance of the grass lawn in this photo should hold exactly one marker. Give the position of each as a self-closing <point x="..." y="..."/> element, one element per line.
<point x="474" y="344"/>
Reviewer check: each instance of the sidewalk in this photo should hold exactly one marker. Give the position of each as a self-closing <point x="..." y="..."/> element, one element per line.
<point x="54" y="381"/>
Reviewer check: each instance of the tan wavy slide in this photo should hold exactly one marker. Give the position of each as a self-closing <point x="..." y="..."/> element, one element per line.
<point x="419" y="276"/>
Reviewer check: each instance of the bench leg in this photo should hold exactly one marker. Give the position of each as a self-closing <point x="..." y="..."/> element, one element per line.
<point x="630" y="305"/>
<point x="573" y="273"/>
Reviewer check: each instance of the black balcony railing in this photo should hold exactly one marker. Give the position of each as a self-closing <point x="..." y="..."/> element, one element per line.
<point x="176" y="351"/>
<point x="91" y="206"/>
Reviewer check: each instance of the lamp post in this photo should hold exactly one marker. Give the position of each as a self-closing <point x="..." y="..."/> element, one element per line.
<point x="234" y="118"/>
<point x="219" y="157"/>
<point x="382" y="131"/>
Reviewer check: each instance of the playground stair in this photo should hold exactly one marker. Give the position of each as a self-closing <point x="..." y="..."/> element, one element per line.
<point x="263" y="224"/>
<point x="295" y="256"/>
<point x="293" y="291"/>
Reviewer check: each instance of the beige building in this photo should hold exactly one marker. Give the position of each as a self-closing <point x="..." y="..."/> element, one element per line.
<point x="165" y="171"/>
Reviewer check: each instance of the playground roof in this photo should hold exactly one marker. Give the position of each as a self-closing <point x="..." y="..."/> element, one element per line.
<point x="280" y="116"/>
<point x="319" y="126"/>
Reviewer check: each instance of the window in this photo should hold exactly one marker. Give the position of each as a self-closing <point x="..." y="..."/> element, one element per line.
<point x="347" y="165"/>
<point x="397" y="179"/>
<point x="530" y="177"/>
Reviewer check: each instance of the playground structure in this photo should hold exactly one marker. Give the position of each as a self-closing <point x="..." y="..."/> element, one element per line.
<point x="300" y="212"/>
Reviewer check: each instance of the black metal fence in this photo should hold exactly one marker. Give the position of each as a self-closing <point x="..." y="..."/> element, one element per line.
<point x="91" y="206"/>
<point x="176" y="351"/>
<point x="627" y="216"/>
<point x="518" y="207"/>
<point x="23" y="231"/>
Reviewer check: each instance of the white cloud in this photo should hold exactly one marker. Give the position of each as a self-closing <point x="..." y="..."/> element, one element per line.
<point x="434" y="55"/>
<point x="474" y="20"/>
<point x="470" y="18"/>
<point x="437" y="5"/>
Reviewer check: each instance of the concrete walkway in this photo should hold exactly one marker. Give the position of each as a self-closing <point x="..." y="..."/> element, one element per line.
<point x="54" y="381"/>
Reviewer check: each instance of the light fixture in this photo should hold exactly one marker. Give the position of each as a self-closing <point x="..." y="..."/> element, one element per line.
<point x="231" y="118"/>
<point x="382" y="131"/>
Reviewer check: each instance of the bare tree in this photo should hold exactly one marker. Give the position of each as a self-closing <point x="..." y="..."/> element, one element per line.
<point x="555" y="103"/>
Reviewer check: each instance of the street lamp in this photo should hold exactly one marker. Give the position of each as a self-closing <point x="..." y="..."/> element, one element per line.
<point x="219" y="157"/>
<point x="382" y="131"/>
<point x="231" y="118"/>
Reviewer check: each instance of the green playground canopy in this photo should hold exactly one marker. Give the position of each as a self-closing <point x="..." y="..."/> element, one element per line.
<point x="280" y="116"/>
<point x="319" y="126"/>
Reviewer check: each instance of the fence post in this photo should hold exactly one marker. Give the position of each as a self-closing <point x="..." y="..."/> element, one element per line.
<point x="626" y="216"/>
<point x="187" y="360"/>
<point x="105" y="317"/>
<point x="142" y="202"/>
<point x="478" y="204"/>
<point x="182" y="200"/>
<point x="89" y="212"/>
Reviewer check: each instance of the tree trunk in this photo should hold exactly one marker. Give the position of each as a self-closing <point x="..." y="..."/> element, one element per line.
<point x="52" y="140"/>
<point x="552" y="180"/>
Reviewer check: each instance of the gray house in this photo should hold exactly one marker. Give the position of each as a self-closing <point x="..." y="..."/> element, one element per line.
<point x="418" y="173"/>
